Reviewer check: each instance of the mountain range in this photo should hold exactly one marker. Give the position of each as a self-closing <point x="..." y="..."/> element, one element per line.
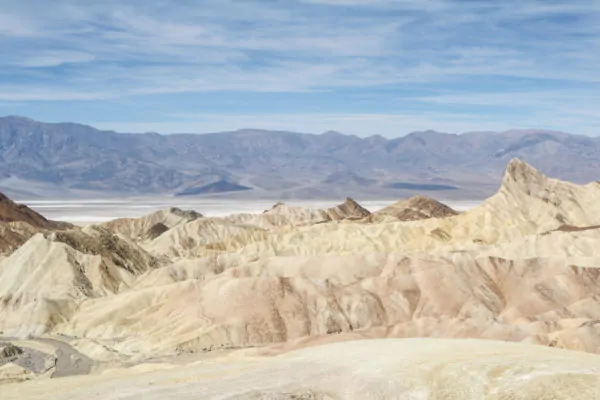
<point x="67" y="159"/>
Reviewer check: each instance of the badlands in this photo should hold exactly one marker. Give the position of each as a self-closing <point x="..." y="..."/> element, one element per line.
<point x="414" y="301"/>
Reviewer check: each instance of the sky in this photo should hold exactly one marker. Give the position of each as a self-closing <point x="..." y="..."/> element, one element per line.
<point x="360" y="67"/>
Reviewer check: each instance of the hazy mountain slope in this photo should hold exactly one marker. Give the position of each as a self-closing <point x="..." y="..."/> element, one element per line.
<point x="79" y="156"/>
<point x="284" y="164"/>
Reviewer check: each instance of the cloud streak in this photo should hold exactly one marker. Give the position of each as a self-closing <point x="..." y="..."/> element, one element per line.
<point x="443" y="55"/>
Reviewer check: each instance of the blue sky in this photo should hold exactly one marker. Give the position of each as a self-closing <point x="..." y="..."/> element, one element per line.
<point x="356" y="66"/>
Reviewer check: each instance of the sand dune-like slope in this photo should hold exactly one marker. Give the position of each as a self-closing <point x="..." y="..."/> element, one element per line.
<point x="236" y="284"/>
<point x="368" y="369"/>
<point x="282" y="300"/>
<point x="45" y="280"/>
<point x="322" y="278"/>
<point x="522" y="267"/>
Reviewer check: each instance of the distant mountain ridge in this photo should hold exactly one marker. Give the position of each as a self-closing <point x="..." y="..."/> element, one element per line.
<point x="39" y="158"/>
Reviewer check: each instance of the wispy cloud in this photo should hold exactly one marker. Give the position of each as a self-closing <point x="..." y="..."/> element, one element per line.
<point x="15" y="94"/>
<point x="50" y="58"/>
<point x="13" y="27"/>
<point x="345" y="2"/>
<point x="446" y="55"/>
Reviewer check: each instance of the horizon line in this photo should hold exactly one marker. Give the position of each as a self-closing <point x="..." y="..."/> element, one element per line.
<point x="329" y="131"/>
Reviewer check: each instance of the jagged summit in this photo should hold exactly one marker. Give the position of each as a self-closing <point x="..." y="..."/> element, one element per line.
<point x="349" y="209"/>
<point x="532" y="202"/>
<point x="417" y="208"/>
<point x="521" y="173"/>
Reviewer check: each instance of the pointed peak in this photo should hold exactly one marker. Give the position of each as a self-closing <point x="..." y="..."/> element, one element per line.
<point x="349" y="209"/>
<point x="420" y="199"/>
<point x="417" y="208"/>
<point x="521" y="174"/>
<point x="518" y="169"/>
<point x="351" y="202"/>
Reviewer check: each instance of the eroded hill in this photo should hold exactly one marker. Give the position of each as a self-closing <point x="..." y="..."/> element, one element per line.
<point x="522" y="267"/>
<point x="18" y="223"/>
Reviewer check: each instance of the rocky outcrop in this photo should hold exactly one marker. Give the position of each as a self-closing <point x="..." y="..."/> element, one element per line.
<point x="43" y="283"/>
<point x="139" y="228"/>
<point x="348" y="210"/>
<point x="156" y="230"/>
<point x="18" y="223"/>
<point x="521" y="267"/>
<point x="13" y="212"/>
<point x="413" y="209"/>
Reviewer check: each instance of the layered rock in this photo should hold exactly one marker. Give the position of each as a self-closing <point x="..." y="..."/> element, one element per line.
<point x="19" y="223"/>
<point x="413" y="209"/>
<point x="523" y="267"/>
<point x="43" y="283"/>
<point x="282" y="215"/>
<point x="13" y="212"/>
<point x="150" y="225"/>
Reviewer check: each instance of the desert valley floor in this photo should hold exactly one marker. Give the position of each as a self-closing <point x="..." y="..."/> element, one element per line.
<point x="410" y="300"/>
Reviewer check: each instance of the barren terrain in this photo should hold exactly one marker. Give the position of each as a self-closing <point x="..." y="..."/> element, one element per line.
<point x="414" y="300"/>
